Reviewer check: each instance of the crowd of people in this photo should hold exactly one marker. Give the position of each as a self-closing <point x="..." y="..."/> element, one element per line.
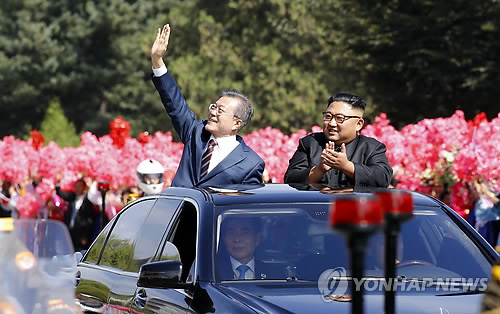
<point x="80" y="208"/>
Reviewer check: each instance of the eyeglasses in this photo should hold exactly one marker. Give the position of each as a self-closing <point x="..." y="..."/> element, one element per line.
<point x="220" y="111"/>
<point x="339" y="118"/>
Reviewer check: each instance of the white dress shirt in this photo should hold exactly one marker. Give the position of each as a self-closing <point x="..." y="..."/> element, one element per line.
<point x="250" y="274"/>
<point x="223" y="147"/>
<point x="78" y="204"/>
<point x="160" y="71"/>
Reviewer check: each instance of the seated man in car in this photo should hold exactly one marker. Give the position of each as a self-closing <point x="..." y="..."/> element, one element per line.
<point x="240" y="237"/>
<point x="376" y="252"/>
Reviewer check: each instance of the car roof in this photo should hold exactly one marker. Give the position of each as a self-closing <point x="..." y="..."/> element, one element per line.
<point x="282" y="193"/>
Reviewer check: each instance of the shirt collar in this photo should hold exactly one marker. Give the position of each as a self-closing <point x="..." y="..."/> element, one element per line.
<point x="235" y="264"/>
<point x="224" y="141"/>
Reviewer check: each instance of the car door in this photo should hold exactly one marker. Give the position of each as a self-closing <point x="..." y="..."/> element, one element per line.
<point x="132" y="241"/>
<point x="183" y="234"/>
<point x="99" y="267"/>
<point x="142" y="247"/>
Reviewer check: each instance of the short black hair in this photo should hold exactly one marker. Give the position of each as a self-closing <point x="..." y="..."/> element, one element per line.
<point x="354" y="101"/>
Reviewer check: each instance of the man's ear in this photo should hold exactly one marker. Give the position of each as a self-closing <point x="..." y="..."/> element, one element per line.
<point x="237" y="124"/>
<point x="359" y="124"/>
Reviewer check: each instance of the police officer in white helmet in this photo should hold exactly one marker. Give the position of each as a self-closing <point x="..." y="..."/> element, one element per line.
<point x="150" y="176"/>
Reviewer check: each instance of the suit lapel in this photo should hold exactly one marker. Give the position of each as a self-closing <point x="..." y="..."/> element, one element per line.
<point x="351" y="147"/>
<point x="237" y="155"/>
<point x="225" y="268"/>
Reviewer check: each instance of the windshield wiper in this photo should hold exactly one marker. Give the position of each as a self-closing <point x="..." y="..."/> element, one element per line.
<point x="453" y="288"/>
<point x="467" y="292"/>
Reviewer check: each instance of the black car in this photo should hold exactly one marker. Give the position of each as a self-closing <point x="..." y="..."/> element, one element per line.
<point x="171" y="253"/>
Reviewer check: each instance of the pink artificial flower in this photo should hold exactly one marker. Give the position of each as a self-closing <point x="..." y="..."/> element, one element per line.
<point x="51" y="161"/>
<point x="28" y="205"/>
<point x="67" y="183"/>
<point x="45" y="188"/>
<point x="14" y="165"/>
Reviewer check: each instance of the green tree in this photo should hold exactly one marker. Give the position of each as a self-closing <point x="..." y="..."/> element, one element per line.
<point x="267" y="50"/>
<point x="411" y="59"/>
<point x="92" y="54"/>
<point x="55" y="127"/>
<point x="425" y="59"/>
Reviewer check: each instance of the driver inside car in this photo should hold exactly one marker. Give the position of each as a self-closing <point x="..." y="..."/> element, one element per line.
<point x="376" y="252"/>
<point x="236" y="260"/>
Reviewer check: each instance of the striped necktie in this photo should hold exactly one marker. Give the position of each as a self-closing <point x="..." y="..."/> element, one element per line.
<point x="205" y="159"/>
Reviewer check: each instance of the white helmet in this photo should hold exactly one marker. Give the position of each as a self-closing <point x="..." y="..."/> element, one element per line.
<point x="150" y="176"/>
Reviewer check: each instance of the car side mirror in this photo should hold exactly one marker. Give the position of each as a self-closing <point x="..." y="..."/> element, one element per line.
<point x="78" y="257"/>
<point x="161" y="275"/>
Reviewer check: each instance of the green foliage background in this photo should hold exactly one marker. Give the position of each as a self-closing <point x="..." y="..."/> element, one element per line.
<point x="412" y="59"/>
<point x="55" y="127"/>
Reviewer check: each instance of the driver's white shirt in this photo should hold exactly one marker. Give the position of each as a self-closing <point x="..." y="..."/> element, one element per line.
<point x="250" y="274"/>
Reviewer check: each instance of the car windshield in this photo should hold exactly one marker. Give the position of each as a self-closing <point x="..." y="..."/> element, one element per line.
<point x="295" y="242"/>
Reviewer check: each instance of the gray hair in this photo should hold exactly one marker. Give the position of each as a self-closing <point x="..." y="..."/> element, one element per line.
<point x="244" y="110"/>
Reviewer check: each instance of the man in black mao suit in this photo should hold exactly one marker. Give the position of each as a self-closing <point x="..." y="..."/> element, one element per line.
<point x="340" y="156"/>
<point x="231" y="161"/>
<point x="235" y="260"/>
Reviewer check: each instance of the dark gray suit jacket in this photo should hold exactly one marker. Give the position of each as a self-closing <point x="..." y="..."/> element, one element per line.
<point x="368" y="155"/>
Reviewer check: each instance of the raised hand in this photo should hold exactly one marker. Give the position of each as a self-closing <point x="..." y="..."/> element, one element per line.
<point x="160" y="46"/>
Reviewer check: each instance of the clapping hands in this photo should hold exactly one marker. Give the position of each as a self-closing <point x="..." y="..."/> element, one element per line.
<point x="331" y="159"/>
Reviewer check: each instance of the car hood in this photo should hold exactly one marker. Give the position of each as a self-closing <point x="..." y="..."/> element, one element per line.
<point x="309" y="300"/>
